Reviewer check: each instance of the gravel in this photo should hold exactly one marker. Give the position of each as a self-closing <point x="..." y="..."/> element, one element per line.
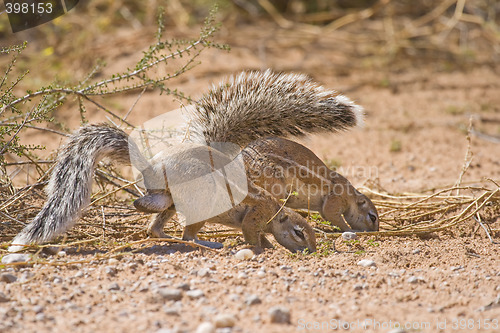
<point x="8" y="278"/>
<point x="195" y="293"/>
<point x="113" y="286"/>
<point x="279" y="315"/>
<point x="169" y="294"/>
<point x="415" y="279"/>
<point x="348" y="235"/>
<point x="183" y="286"/>
<point x="15" y="257"/>
<point x="205" y="327"/>
<point x="244" y="254"/>
<point x="171" y="311"/>
<point x="225" y="320"/>
<point x="111" y="271"/>
<point x="397" y="330"/>
<point x="3" y="298"/>
<point x="252" y="300"/>
<point x="38" y="309"/>
<point x="358" y="287"/>
<point x="367" y="263"/>
<point x="203" y="272"/>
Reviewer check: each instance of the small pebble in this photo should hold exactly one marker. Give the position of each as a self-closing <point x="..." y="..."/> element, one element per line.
<point x="114" y="286"/>
<point x="25" y="276"/>
<point x="397" y="330"/>
<point x="225" y="330"/>
<point x="195" y="293"/>
<point x="170" y="294"/>
<point x="15" y="257"/>
<point x="203" y="272"/>
<point x="252" y="300"/>
<point x="244" y="254"/>
<point x="205" y="327"/>
<point x="38" y="309"/>
<point x="279" y="315"/>
<point x="416" y="251"/>
<point x="367" y="263"/>
<point x="3" y="298"/>
<point x="224" y="320"/>
<point x="415" y="279"/>
<point x="171" y="311"/>
<point x="8" y="278"/>
<point x="261" y="274"/>
<point x="412" y="280"/>
<point x="348" y="235"/>
<point x="113" y="261"/>
<point x="183" y="286"/>
<point x="111" y="271"/>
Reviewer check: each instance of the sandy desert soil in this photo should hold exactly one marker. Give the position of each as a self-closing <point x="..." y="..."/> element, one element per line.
<point x="414" y="139"/>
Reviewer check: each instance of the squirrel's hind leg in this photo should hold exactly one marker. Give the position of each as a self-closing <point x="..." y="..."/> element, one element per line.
<point x="155" y="228"/>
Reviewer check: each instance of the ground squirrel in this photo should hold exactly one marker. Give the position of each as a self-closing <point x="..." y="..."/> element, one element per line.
<point x="279" y="166"/>
<point x="245" y="108"/>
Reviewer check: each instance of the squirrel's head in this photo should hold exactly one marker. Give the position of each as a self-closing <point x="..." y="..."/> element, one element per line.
<point x="361" y="213"/>
<point x="292" y="231"/>
<point x="351" y="207"/>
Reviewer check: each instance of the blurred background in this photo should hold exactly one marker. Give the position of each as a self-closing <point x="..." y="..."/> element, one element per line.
<point x="360" y="34"/>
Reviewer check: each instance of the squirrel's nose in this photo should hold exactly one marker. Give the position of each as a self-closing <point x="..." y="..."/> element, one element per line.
<point x="373" y="217"/>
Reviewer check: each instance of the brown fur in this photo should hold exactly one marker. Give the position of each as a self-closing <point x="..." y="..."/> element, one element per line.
<point x="246" y="107"/>
<point x="280" y="166"/>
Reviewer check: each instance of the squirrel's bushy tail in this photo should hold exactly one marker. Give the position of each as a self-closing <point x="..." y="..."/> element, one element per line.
<point x="70" y="184"/>
<point x="254" y="105"/>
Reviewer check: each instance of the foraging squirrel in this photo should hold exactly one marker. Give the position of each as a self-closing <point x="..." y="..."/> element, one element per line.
<point x="245" y="110"/>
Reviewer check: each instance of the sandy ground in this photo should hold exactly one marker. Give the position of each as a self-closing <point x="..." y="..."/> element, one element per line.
<point x="414" y="139"/>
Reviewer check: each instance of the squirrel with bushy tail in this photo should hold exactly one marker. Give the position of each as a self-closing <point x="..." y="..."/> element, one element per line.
<point x="254" y="110"/>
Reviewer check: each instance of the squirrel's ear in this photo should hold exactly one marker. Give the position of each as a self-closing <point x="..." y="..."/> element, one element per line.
<point x="153" y="203"/>
<point x="282" y="217"/>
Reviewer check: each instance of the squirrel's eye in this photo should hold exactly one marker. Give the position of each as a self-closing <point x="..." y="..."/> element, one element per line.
<point x="298" y="232"/>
